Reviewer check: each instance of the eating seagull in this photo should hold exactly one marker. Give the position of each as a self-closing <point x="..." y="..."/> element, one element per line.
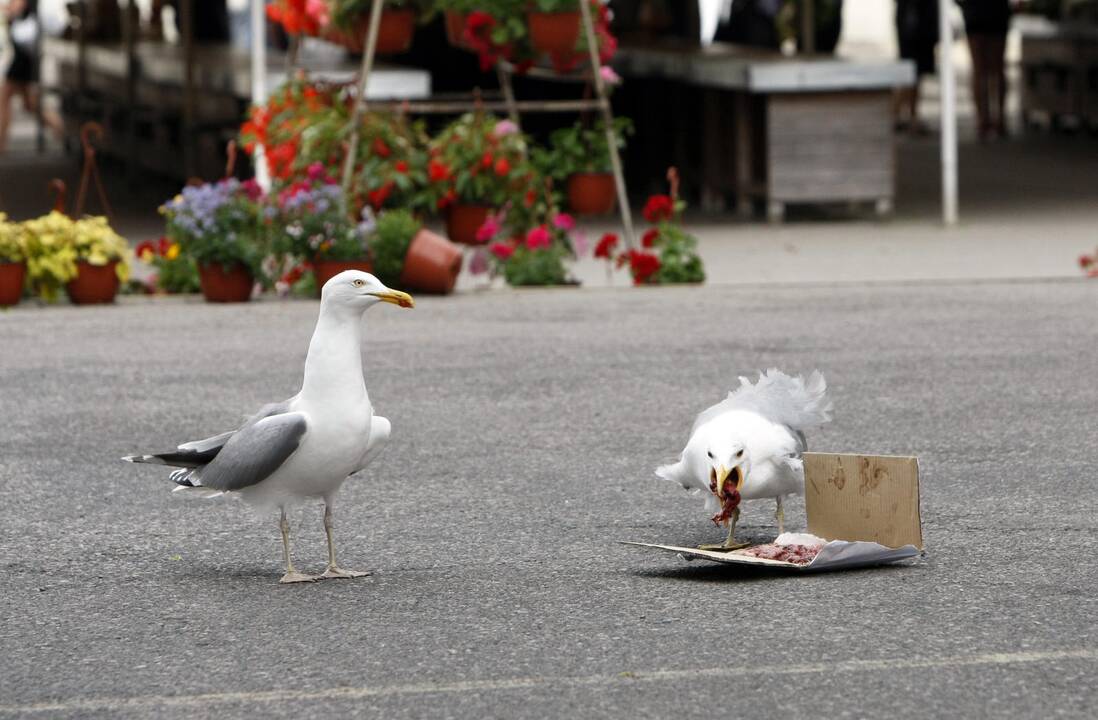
<point x="749" y="446"/>
<point x="304" y="447"/>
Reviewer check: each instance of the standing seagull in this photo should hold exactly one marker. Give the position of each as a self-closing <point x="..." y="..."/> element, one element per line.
<point x="749" y="446"/>
<point x="306" y="446"/>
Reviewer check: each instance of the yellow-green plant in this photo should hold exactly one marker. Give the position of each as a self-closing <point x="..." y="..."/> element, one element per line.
<point x="51" y="254"/>
<point x="11" y="241"/>
<point x="55" y="243"/>
<point x="98" y="244"/>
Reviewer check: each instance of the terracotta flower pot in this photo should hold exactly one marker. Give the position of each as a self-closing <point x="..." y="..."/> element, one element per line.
<point x="455" y="29"/>
<point x="12" y="275"/>
<point x="432" y="264"/>
<point x="394" y="32"/>
<point x="220" y="286"/>
<point x="591" y="193"/>
<point x="325" y="270"/>
<point x="463" y="221"/>
<point x="554" y="32"/>
<point x="93" y="284"/>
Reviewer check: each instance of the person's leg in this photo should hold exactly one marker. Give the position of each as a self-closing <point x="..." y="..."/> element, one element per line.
<point x="996" y="62"/>
<point x="31" y="99"/>
<point x="7" y="92"/>
<point x="977" y="49"/>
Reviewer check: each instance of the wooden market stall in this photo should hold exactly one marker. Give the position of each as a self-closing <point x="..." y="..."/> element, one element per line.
<point x="784" y="129"/>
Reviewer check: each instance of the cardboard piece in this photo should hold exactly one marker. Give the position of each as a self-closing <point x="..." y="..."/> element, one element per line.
<point x="867" y="506"/>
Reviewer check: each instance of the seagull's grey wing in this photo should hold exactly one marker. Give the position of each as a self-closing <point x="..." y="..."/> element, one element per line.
<point x="199" y="452"/>
<point x="253" y="453"/>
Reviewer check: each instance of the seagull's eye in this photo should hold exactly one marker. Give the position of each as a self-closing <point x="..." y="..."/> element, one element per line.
<point x="710" y="454"/>
<point x="739" y="454"/>
<point x="358" y="283"/>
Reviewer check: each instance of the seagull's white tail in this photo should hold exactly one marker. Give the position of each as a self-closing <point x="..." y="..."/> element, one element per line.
<point x="792" y="401"/>
<point x="675" y="473"/>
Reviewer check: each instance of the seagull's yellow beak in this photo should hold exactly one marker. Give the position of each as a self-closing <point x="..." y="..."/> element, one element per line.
<point x="720" y="475"/>
<point x="396" y="297"/>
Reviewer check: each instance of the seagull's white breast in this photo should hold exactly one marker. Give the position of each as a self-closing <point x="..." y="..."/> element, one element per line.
<point x="335" y="441"/>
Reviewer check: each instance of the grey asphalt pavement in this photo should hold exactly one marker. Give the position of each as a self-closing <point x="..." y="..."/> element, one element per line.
<point x="526" y="426"/>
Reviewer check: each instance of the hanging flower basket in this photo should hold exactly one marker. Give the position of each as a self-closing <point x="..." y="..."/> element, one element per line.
<point x="12" y="275"/>
<point x="591" y="193"/>
<point x="432" y="264"/>
<point x="554" y="32"/>
<point x="463" y="221"/>
<point x="223" y="286"/>
<point x="394" y="32"/>
<point x="325" y="270"/>
<point x="93" y="284"/>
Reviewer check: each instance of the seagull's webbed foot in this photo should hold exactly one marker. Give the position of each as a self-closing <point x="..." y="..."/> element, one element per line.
<point x="730" y="543"/>
<point x="334" y="572"/>
<point x="726" y="546"/>
<point x="293" y="576"/>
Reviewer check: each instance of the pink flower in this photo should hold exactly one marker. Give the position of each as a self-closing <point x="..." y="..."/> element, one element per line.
<point x="488" y="230"/>
<point x="502" y="251"/>
<point x="564" y="221"/>
<point x="580" y="244"/>
<point x="505" y="127"/>
<point x="478" y="262"/>
<point x="538" y="238"/>
<point x="609" y="76"/>
<point x="317" y="9"/>
<point x="315" y="171"/>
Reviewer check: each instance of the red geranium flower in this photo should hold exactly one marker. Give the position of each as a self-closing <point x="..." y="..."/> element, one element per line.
<point x="446" y="200"/>
<point x="437" y="171"/>
<point x="538" y="238"/>
<point x="529" y="198"/>
<point x="643" y="266"/>
<point x="381" y="149"/>
<point x="486" y="159"/>
<point x="380" y="195"/>
<point x="401" y="167"/>
<point x="502" y="167"/>
<point x="649" y="238"/>
<point x="502" y="251"/>
<point x="659" y="208"/>
<point x="162" y="246"/>
<point x="606" y="246"/>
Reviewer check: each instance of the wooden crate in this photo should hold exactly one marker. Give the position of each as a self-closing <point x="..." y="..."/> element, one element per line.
<point x="830" y="147"/>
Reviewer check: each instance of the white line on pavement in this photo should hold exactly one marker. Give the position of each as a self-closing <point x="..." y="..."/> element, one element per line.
<point x="354" y="693"/>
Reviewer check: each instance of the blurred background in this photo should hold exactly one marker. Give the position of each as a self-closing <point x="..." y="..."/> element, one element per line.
<point x="807" y="135"/>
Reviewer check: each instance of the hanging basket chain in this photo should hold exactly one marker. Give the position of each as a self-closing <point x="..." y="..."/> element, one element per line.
<point x="91" y="133"/>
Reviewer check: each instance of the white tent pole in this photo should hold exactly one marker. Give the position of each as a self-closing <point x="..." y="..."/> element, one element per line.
<point x="259" y="82"/>
<point x="948" y="82"/>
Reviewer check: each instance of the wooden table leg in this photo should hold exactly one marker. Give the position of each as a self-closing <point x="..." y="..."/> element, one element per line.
<point x="744" y="158"/>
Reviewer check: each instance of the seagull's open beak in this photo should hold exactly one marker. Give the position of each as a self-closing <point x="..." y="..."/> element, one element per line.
<point x="396" y="297"/>
<point x="719" y="475"/>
